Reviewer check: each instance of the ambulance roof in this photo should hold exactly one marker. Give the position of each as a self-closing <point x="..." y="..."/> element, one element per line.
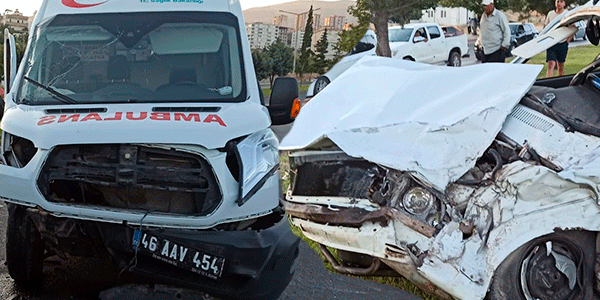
<point x="52" y="8"/>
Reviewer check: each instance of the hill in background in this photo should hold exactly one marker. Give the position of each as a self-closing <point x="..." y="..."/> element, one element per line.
<point x="266" y="14"/>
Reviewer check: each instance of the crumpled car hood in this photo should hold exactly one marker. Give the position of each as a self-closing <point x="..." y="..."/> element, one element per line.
<point x="436" y="121"/>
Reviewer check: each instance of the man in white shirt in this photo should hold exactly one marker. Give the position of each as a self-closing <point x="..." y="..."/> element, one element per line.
<point x="557" y="54"/>
<point x="494" y="32"/>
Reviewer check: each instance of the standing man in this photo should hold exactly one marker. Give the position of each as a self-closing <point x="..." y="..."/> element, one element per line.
<point x="557" y="54"/>
<point x="494" y="32"/>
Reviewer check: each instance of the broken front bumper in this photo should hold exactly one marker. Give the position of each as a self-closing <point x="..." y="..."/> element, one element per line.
<point x="258" y="262"/>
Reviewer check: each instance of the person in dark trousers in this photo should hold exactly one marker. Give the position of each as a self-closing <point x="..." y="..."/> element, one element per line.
<point x="557" y="54"/>
<point x="494" y="33"/>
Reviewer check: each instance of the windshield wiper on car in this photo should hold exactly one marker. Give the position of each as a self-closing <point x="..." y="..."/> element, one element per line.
<point x="62" y="97"/>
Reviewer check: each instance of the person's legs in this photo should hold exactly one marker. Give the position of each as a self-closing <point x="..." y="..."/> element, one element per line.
<point x="561" y="57"/>
<point x="551" y="66"/>
<point x="551" y="60"/>
<point x="561" y="68"/>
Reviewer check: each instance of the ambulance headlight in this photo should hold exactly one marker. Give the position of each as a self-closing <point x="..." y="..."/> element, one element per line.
<point x="259" y="158"/>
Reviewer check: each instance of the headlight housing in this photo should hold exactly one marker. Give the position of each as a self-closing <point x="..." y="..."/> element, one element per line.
<point x="259" y="156"/>
<point x="418" y="201"/>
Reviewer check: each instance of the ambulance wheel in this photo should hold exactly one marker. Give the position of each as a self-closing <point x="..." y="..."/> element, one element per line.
<point x="24" y="248"/>
<point x="556" y="266"/>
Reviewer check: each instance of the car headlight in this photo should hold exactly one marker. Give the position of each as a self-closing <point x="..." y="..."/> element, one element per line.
<point x="418" y="201"/>
<point x="394" y="53"/>
<point x="259" y="158"/>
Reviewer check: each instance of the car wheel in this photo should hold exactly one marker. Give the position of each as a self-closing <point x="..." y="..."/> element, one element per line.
<point x="320" y="84"/>
<point x="408" y="58"/>
<point x="24" y="248"/>
<point x="557" y="266"/>
<point x="454" y="60"/>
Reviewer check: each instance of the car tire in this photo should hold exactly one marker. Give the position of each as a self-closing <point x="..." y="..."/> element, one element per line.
<point x="320" y="84"/>
<point x="24" y="248"/>
<point x="408" y="58"/>
<point x="454" y="60"/>
<point x="530" y="272"/>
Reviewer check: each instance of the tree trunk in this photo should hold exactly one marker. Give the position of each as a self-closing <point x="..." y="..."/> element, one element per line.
<point x="380" y="20"/>
<point x="271" y="79"/>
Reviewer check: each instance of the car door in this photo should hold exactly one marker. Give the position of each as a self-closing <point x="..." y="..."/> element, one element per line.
<point x="437" y="44"/>
<point x="421" y="49"/>
<point x="521" y="34"/>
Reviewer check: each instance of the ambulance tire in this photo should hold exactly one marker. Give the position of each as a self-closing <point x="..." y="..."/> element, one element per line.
<point x="24" y="249"/>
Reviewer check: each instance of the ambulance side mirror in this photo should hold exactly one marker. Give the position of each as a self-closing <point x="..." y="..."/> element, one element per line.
<point x="10" y="60"/>
<point x="284" y="104"/>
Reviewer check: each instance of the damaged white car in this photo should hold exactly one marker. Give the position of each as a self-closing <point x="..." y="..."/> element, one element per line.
<point x="471" y="182"/>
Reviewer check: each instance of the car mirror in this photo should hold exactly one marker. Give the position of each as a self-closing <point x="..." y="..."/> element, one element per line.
<point x="592" y="31"/>
<point x="10" y="60"/>
<point x="284" y="104"/>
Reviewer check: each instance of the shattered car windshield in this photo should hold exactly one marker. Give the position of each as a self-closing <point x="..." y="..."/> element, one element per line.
<point x="137" y="57"/>
<point x="399" y="34"/>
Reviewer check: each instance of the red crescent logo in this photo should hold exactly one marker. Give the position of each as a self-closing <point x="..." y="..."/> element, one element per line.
<point x="74" y="4"/>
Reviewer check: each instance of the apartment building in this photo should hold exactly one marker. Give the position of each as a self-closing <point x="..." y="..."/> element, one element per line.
<point x="15" y="20"/>
<point x="335" y="22"/>
<point x="261" y="35"/>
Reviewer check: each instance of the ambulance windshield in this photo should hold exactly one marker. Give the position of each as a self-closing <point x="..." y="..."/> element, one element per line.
<point x="135" y="58"/>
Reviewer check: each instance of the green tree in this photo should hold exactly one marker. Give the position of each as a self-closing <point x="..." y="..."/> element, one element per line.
<point x="349" y="38"/>
<point x="382" y="11"/>
<point x="303" y="62"/>
<point x="281" y="58"/>
<point x="261" y="63"/>
<point x="320" y="63"/>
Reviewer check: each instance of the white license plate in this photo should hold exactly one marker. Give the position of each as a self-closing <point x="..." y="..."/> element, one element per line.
<point x="179" y="255"/>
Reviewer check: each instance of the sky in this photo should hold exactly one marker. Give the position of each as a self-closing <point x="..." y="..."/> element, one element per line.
<point x="27" y="7"/>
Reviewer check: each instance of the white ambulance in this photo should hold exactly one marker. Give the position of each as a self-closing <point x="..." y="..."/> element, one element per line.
<point x="136" y="129"/>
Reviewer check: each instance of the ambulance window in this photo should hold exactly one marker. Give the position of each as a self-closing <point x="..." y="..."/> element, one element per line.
<point x="138" y="57"/>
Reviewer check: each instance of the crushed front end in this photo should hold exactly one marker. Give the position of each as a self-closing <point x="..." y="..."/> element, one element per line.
<point x="466" y="191"/>
<point x="159" y="192"/>
<point x="385" y="222"/>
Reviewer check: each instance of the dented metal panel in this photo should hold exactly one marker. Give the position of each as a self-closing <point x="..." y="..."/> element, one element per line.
<point x="454" y="186"/>
<point x="401" y="127"/>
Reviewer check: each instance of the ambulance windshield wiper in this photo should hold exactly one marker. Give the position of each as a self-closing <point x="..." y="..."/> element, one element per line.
<point x="63" y="98"/>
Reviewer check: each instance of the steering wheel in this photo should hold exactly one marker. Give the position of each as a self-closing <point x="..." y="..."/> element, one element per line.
<point x="580" y="77"/>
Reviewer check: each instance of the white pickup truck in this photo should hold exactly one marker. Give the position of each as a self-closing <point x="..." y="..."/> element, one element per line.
<point x="426" y="42"/>
<point x="432" y="47"/>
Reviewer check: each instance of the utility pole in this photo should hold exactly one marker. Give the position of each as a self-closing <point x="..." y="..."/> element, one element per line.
<point x="297" y="28"/>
